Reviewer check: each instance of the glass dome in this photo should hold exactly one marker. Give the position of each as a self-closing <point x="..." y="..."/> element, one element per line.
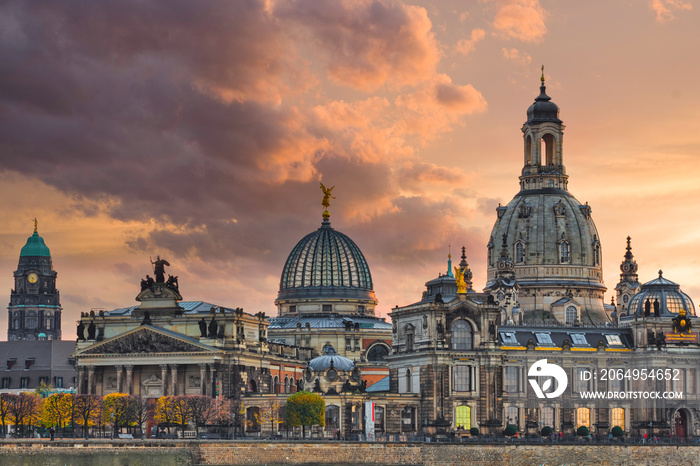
<point x="323" y="262"/>
<point x="668" y="294"/>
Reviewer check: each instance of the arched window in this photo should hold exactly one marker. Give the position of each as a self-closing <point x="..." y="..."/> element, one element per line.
<point x="519" y="253"/>
<point x="617" y="418"/>
<point x="583" y="417"/>
<point x="463" y="418"/>
<point x="252" y="386"/>
<point x="548" y="146"/>
<point x="332" y="417"/>
<point x="528" y="150"/>
<point x="461" y="335"/>
<point x="512" y="417"/>
<point x="252" y="419"/>
<point x="377" y="353"/>
<point x="596" y="254"/>
<point x="571" y="315"/>
<point x="564" y="254"/>
<point x="409" y="381"/>
<point x="276" y="385"/>
<point x="409" y="337"/>
<point x="548" y="417"/>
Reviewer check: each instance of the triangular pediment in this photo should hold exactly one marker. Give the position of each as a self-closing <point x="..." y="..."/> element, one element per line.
<point x="147" y="339"/>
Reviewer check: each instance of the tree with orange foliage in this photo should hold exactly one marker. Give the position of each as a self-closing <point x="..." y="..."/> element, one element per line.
<point x="5" y="411"/>
<point x="58" y="410"/>
<point x="118" y="409"/>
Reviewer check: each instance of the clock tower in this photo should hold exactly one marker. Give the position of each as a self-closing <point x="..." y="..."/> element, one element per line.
<point x="35" y="309"/>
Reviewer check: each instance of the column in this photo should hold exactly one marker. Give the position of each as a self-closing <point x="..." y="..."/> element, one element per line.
<point x="212" y="381"/>
<point x="203" y="379"/>
<point x="119" y="369"/>
<point x="173" y="379"/>
<point x="81" y="378"/>
<point x="164" y="376"/>
<point x="129" y="379"/>
<point x="91" y="379"/>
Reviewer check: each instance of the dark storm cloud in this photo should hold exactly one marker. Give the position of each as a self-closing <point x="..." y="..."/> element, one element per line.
<point x="190" y="114"/>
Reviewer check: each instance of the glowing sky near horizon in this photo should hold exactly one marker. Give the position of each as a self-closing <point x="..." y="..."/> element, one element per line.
<point x="200" y="133"/>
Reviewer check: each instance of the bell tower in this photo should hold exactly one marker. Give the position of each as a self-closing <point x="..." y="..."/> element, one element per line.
<point x="543" y="135"/>
<point x="35" y="310"/>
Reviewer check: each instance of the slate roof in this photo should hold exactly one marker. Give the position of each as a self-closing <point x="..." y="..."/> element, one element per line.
<point x="328" y="321"/>
<point x="590" y="337"/>
<point x="189" y="308"/>
<point x="382" y="385"/>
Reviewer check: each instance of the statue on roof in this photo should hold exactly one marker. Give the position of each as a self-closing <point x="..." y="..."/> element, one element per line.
<point x="36" y="225"/>
<point x="459" y="279"/>
<point x="159" y="268"/>
<point x="327" y="196"/>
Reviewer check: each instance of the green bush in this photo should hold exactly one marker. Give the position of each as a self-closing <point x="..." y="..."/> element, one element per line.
<point x="510" y="431"/>
<point x="474" y="431"/>
<point x="546" y="431"/>
<point x="617" y="431"/>
<point x="582" y="431"/>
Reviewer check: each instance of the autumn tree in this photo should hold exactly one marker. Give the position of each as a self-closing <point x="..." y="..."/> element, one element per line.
<point x="118" y="409"/>
<point x="201" y="410"/>
<point x="58" y="410"/>
<point x="141" y="407"/>
<point x="87" y="411"/>
<point x="5" y="400"/>
<point x="24" y="410"/>
<point x="305" y="409"/>
<point x="269" y="412"/>
<point x="173" y="410"/>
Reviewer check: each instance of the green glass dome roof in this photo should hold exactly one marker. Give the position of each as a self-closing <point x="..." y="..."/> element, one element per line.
<point x="35" y="247"/>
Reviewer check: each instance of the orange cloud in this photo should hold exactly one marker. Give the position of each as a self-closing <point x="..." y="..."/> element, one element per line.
<point x="367" y="44"/>
<point x="516" y="56"/>
<point x="466" y="46"/>
<point x="665" y="9"/>
<point x="520" y="19"/>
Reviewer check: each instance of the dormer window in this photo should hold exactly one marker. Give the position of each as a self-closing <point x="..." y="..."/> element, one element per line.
<point x="613" y="340"/>
<point x="28" y="363"/>
<point x="544" y="339"/>
<point x="508" y="338"/>
<point x="579" y="339"/>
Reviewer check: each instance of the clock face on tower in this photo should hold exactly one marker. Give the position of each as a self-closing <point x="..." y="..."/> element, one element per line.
<point x="32" y="277"/>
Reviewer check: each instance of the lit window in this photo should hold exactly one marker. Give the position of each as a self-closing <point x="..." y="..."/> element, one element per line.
<point x="583" y="417"/>
<point x="617" y="418"/>
<point x="463" y="417"/>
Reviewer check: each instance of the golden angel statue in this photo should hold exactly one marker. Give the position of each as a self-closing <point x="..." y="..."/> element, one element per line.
<point x="459" y="279"/>
<point x="326" y="196"/>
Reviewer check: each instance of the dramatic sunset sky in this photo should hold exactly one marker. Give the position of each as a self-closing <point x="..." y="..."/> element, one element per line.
<point x="200" y="131"/>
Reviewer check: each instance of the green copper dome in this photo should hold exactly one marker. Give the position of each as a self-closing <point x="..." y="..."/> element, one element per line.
<point x="35" y="247"/>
